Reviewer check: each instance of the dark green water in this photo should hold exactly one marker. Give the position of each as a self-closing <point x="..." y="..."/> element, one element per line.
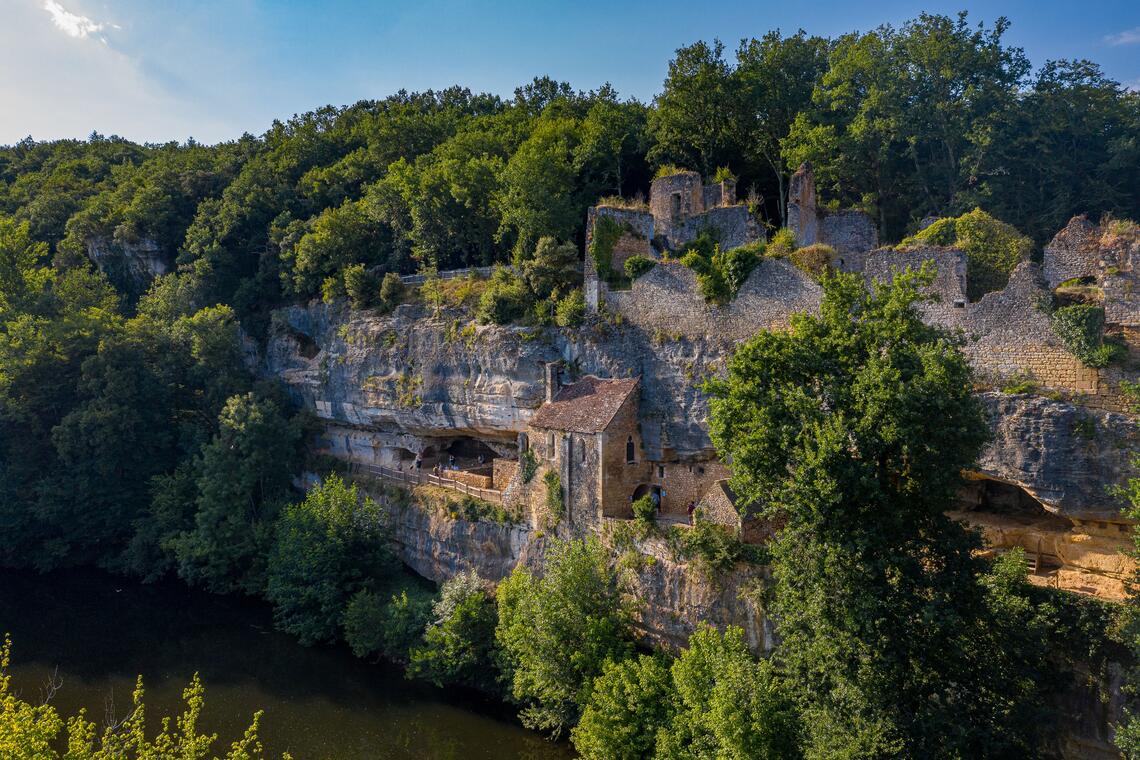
<point x="100" y="631"/>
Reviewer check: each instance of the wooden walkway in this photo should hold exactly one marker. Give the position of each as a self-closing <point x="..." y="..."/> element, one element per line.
<point x="414" y="477"/>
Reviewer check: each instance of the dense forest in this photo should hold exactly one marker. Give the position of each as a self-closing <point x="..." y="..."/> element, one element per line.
<point x="133" y="435"/>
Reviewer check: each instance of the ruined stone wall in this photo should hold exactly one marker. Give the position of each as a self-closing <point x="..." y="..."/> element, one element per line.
<point x="673" y="199"/>
<point x="634" y="242"/>
<point x="503" y="471"/>
<point x="473" y="479"/>
<point x="1073" y="252"/>
<point x="715" y="506"/>
<point x="733" y="226"/>
<point x="668" y="300"/>
<point x="849" y="232"/>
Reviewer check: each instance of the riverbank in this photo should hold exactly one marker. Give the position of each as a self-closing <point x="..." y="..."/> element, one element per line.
<point x="98" y="631"/>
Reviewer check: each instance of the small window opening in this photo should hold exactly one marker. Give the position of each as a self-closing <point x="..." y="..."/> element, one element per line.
<point x="660" y="470"/>
<point x="959" y="303"/>
<point x="629" y="450"/>
<point x="675" y="201"/>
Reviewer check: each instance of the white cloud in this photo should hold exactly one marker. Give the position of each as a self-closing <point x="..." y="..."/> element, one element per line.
<point x="72" y="24"/>
<point x="52" y="87"/>
<point x="1127" y="37"/>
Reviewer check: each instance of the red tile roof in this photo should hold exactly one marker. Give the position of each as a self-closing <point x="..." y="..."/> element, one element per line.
<point x="587" y="406"/>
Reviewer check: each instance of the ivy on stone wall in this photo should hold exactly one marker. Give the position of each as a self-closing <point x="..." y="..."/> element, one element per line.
<point x="1081" y="328"/>
<point x="554" y="502"/>
<point x="529" y="464"/>
<point x="606" y="234"/>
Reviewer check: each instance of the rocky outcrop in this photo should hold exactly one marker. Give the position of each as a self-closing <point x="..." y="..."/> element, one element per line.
<point x="672" y="599"/>
<point x="409" y="371"/>
<point x="130" y="264"/>
<point x="1065" y="456"/>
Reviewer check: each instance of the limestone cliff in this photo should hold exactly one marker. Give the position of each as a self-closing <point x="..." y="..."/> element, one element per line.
<point x="129" y="264"/>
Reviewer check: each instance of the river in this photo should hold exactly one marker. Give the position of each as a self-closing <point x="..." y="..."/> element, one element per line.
<point x="98" y="632"/>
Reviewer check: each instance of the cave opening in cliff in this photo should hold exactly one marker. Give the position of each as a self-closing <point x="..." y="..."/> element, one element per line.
<point x="1009" y="516"/>
<point x="467" y="454"/>
<point x="986" y="496"/>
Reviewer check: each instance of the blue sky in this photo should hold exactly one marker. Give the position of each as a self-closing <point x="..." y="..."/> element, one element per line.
<point x="212" y="69"/>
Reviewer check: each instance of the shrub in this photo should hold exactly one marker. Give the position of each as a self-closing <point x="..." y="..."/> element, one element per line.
<point x="993" y="248"/>
<point x="782" y="244"/>
<point x="505" y="300"/>
<point x="727" y="704"/>
<point x="328" y="547"/>
<point x="815" y="260"/>
<point x="553" y="268"/>
<point x="644" y="510"/>
<point x="736" y="264"/>
<point x="373" y="626"/>
<point x="632" y="700"/>
<point x="391" y="291"/>
<point x="720" y="274"/>
<point x="1081" y="328"/>
<point x="558" y="631"/>
<point x="571" y="309"/>
<point x="459" y="644"/>
<point x="1020" y="385"/>
<point x="668" y="170"/>
<point x="359" y="286"/>
<point x="712" y="548"/>
<point x="332" y="289"/>
<point x="723" y="174"/>
<point x="635" y="266"/>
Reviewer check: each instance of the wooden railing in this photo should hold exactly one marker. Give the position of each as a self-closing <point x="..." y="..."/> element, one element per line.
<point x="414" y="477"/>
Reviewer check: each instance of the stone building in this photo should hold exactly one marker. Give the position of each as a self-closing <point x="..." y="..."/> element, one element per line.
<point x="590" y="433"/>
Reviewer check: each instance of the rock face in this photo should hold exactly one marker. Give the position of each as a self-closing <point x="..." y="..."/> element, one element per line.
<point x="409" y="372"/>
<point x="131" y="264"/>
<point x="1063" y="455"/>
<point x="673" y="599"/>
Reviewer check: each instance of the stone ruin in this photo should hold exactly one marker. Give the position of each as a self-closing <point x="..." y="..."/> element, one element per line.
<point x="680" y="208"/>
<point x="850" y="232"/>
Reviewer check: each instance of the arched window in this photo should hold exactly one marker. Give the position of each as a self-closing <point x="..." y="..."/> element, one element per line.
<point x="629" y="450"/>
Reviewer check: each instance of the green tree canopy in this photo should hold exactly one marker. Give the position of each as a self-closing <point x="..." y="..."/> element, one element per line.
<point x="877" y="597"/>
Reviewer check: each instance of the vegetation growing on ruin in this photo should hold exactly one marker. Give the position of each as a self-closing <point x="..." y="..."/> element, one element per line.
<point x="815" y="260"/>
<point x="607" y="231"/>
<point x="555" y="503"/>
<point x="635" y="266"/>
<point x="720" y="274"/>
<point x="1081" y="328"/>
<point x="993" y="248"/>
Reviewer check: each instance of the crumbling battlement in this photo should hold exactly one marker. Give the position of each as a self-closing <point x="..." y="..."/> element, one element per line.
<point x="849" y="231"/>
<point x="1102" y="255"/>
